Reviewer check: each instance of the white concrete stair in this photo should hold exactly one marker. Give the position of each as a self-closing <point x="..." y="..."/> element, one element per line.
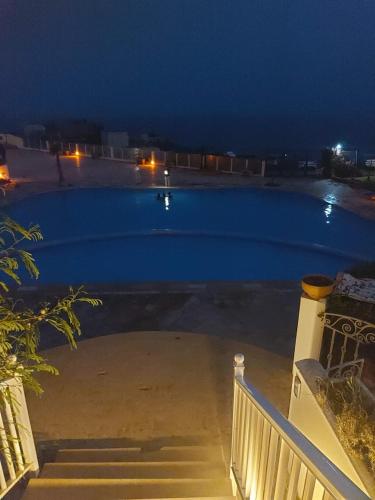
<point x="166" y="453"/>
<point x="128" y="470"/>
<point x="133" y="473"/>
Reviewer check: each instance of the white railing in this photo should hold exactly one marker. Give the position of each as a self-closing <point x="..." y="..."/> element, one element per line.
<point x="17" y="452"/>
<point x="271" y="459"/>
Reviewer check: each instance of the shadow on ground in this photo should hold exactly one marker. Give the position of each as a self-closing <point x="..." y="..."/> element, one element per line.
<point x="259" y="313"/>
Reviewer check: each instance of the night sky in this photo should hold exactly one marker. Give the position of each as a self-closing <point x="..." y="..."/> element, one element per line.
<point x="230" y="74"/>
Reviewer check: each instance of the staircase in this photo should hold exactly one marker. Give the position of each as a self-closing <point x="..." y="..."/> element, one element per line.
<point x="133" y="473"/>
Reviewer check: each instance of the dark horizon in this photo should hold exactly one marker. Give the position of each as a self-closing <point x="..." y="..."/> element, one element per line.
<point x="268" y="74"/>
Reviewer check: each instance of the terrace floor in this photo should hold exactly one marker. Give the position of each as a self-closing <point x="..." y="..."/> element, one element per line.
<point x="175" y="355"/>
<point x="149" y="389"/>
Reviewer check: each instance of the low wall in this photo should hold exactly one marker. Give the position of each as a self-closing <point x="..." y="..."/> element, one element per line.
<point x="11" y="140"/>
<point x="193" y="161"/>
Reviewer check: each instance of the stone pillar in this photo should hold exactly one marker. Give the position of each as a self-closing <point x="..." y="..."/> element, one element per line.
<point x="308" y="341"/>
<point x="309" y="329"/>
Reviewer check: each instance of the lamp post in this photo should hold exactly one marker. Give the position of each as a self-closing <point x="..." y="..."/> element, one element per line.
<point x="138" y="178"/>
<point x="166" y="177"/>
<point x="55" y="150"/>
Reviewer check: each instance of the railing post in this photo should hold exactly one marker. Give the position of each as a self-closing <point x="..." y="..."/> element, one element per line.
<point x="239" y="371"/>
<point x="22" y="419"/>
<point x="231" y="165"/>
<point x="188" y="160"/>
<point x="282" y="473"/>
<point x="239" y="366"/>
<point x="24" y="427"/>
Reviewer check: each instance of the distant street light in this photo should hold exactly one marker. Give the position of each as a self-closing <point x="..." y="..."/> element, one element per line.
<point x="337" y="149"/>
<point x="166" y="177"/>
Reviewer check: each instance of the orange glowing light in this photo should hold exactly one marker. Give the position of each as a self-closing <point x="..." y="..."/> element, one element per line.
<point x="77" y="153"/>
<point x="152" y="163"/>
<point x="4" y="172"/>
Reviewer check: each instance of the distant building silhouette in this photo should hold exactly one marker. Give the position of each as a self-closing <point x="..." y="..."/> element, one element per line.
<point x="115" y="139"/>
<point x="34" y="133"/>
<point x="78" y="131"/>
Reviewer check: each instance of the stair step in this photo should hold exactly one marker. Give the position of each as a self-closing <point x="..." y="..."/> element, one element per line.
<point x="166" y="453"/>
<point x="118" y="470"/>
<point x="111" y="489"/>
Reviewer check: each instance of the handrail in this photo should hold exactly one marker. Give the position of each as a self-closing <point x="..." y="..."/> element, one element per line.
<point x="296" y="463"/>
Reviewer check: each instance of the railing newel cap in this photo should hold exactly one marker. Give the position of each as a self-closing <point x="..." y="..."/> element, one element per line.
<point x="239" y="360"/>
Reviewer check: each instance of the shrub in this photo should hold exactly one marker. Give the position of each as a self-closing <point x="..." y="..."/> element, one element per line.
<point x="20" y="327"/>
<point x="355" y="418"/>
<point x="345" y="171"/>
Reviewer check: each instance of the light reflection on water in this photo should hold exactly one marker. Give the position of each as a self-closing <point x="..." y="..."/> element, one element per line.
<point x="327" y="212"/>
<point x="331" y="200"/>
<point x="166" y="202"/>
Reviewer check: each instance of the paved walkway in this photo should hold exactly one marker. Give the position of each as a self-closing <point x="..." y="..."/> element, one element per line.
<point x="35" y="172"/>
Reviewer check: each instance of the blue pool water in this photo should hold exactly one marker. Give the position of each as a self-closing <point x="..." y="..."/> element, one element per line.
<point x="117" y="235"/>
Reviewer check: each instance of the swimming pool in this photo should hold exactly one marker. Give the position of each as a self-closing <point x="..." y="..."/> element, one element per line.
<point x="121" y="235"/>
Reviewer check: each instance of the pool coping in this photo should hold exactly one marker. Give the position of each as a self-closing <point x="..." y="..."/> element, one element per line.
<point x="167" y="287"/>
